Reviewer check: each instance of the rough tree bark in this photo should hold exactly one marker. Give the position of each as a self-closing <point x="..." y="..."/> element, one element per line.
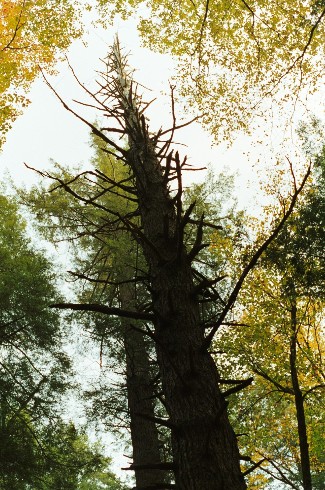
<point x="140" y="392"/>
<point x="204" y="445"/>
<point x="299" y="403"/>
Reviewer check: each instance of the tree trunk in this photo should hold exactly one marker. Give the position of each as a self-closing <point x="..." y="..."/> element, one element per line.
<point x="204" y="445"/>
<point x="299" y="403"/>
<point x="144" y="433"/>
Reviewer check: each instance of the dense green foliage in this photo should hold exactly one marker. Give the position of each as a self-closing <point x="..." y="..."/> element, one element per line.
<point x="33" y="363"/>
<point x="37" y="449"/>
<point x="52" y="456"/>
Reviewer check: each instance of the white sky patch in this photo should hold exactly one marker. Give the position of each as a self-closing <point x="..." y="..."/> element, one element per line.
<point x="47" y="131"/>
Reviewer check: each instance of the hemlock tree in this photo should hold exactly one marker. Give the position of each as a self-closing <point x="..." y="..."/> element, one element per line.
<point x="33" y="363"/>
<point x="111" y="271"/>
<point x="37" y="449"/>
<point x="204" y="445"/>
<point x="70" y="461"/>
<point x="48" y="456"/>
<point x="34" y="368"/>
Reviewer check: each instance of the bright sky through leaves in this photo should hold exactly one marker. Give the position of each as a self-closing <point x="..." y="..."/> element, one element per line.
<point x="46" y="130"/>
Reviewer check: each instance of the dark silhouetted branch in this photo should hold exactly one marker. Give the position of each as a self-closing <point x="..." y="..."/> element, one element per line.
<point x="157" y="420"/>
<point x="252" y="468"/>
<point x="239" y="387"/>
<point x="107" y="310"/>
<point x="151" y="466"/>
<point x="157" y="486"/>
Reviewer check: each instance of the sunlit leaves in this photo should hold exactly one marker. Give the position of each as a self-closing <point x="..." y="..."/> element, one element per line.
<point x="276" y="346"/>
<point x="235" y="56"/>
<point x="33" y="33"/>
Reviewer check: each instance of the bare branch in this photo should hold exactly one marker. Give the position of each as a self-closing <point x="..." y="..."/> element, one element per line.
<point x="156" y="420"/>
<point x="106" y="281"/>
<point x="151" y="466"/>
<point x="279" y="386"/>
<point x="107" y="310"/>
<point x="157" y="486"/>
<point x="240" y="386"/>
<point x="198" y="245"/>
<point x="253" y="468"/>
<point x="205" y="223"/>
<point x="317" y="387"/>
<point x="95" y="130"/>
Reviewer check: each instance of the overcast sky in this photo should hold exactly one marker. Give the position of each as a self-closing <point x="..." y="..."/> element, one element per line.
<point x="47" y="131"/>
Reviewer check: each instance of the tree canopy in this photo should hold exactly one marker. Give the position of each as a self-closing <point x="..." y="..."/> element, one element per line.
<point x="237" y="58"/>
<point x="33" y="35"/>
<point x="279" y="341"/>
<point x="37" y="448"/>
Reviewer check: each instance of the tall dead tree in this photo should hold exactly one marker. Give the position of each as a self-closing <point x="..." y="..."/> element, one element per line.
<point x="205" y="449"/>
<point x="204" y="446"/>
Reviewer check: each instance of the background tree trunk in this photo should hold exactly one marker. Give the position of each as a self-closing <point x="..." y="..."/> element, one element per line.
<point x="144" y="433"/>
<point x="299" y="403"/>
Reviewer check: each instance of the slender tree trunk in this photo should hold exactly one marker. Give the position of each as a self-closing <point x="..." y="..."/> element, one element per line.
<point x="299" y="403"/>
<point x="204" y="445"/>
<point x="144" y="433"/>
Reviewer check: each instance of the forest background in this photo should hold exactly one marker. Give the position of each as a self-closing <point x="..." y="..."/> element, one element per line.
<point x="42" y="129"/>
